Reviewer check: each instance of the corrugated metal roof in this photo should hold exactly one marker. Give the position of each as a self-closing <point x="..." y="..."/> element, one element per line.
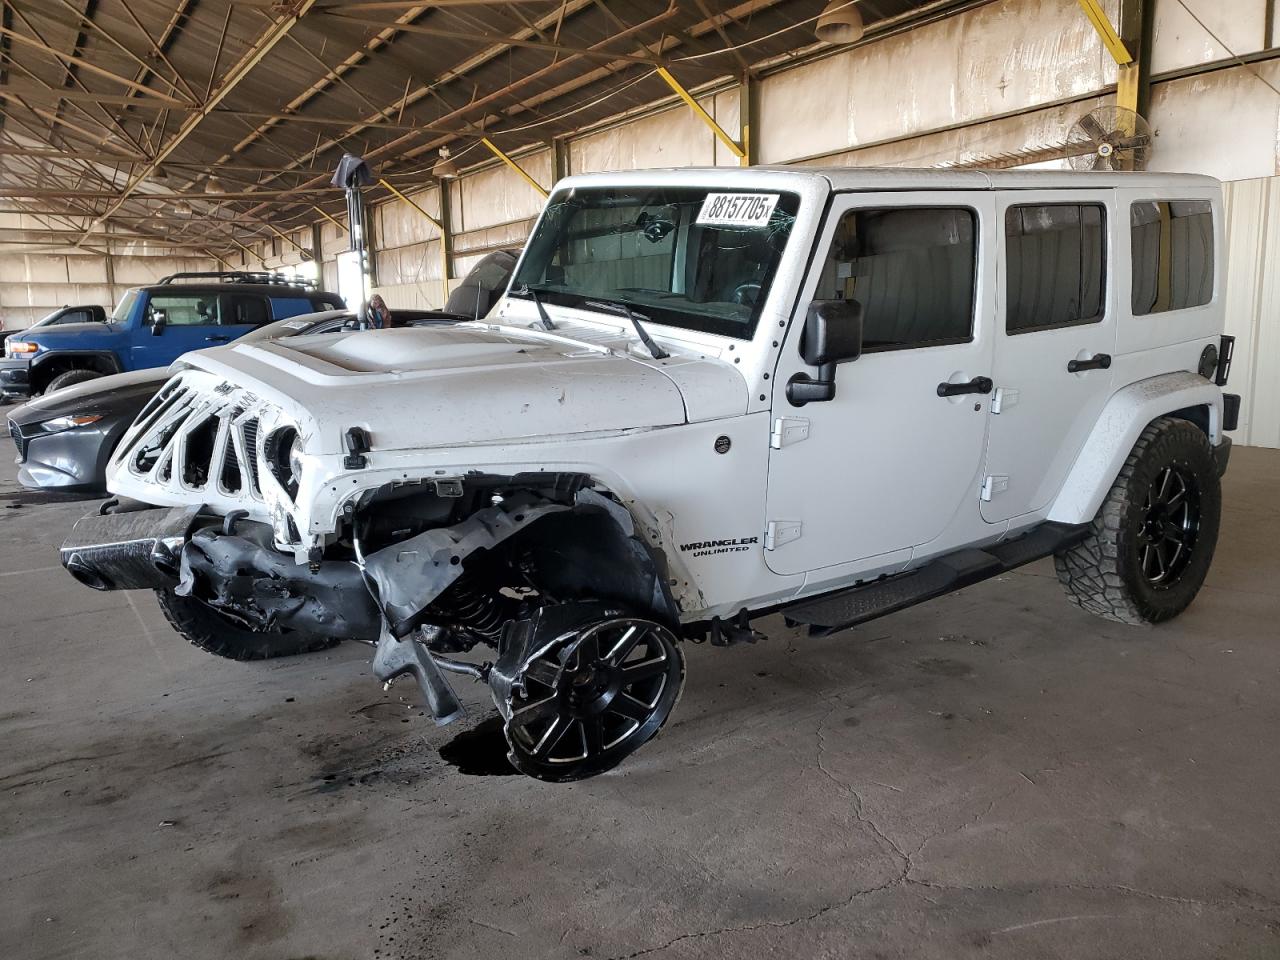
<point x="96" y="90"/>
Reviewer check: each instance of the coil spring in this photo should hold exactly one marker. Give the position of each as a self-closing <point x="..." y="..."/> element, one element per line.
<point x="481" y="613"/>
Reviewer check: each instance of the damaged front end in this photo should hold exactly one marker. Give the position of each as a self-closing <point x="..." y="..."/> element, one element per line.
<point x="531" y="566"/>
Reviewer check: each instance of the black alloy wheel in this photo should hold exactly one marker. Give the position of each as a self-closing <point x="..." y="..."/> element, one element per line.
<point x="1170" y="525"/>
<point x="594" y="697"/>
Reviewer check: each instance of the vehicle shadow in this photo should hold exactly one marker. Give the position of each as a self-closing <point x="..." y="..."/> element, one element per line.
<point x="15" y="499"/>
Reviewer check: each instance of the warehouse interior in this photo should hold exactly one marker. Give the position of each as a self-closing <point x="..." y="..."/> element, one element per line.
<point x="989" y="774"/>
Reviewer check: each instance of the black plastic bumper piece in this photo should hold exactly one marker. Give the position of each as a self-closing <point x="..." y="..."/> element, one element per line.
<point x="845" y="608"/>
<point x="234" y="567"/>
<point x="15" y="377"/>
<point x="128" y="550"/>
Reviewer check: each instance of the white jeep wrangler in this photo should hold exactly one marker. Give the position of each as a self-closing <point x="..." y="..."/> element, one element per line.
<point x="708" y="395"/>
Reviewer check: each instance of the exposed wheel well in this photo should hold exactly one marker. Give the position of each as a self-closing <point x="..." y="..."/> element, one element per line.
<point x="1198" y="415"/>
<point x="55" y="365"/>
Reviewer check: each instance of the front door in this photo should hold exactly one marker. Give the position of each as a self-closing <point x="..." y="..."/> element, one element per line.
<point x="894" y="460"/>
<point x="193" y="321"/>
<point x="1056" y="331"/>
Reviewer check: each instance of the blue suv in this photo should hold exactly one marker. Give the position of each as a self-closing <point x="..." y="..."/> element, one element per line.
<point x="153" y="326"/>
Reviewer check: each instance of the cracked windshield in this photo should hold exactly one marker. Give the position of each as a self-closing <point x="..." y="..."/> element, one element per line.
<point x="696" y="258"/>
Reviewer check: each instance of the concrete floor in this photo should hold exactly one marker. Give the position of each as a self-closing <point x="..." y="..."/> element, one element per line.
<point x="994" y="774"/>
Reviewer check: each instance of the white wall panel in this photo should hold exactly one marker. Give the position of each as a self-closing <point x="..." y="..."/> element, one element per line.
<point x="1005" y="56"/>
<point x="1223" y="123"/>
<point x="1253" y="306"/>
<point x="969" y="142"/>
<point x="1181" y="42"/>
<point x="673" y="138"/>
<point x="87" y="269"/>
<point x="399" y="224"/>
<point x="498" y="194"/>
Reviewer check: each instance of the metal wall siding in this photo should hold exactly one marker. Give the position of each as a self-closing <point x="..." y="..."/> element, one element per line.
<point x="1253" y="306"/>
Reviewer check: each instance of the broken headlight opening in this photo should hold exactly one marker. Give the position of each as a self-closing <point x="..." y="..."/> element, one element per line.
<point x="59" y="424"/>
<point x="283" y="451"/>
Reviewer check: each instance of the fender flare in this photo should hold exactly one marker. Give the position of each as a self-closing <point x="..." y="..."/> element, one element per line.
<point x="109" y="356"/>
<point x="1122" y="421"/>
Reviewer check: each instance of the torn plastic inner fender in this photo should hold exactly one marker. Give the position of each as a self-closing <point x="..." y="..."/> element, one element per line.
<point x="409" y="575"/>
<point x="589" y="549"/>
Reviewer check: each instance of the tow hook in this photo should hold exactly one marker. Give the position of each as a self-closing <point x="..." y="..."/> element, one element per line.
<point x="395" y="657"/>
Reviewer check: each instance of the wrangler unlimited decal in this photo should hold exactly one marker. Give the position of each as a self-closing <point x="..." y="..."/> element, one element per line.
<point x="706" y="548"/>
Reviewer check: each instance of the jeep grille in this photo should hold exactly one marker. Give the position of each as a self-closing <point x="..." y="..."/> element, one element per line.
<point x="188" y="441"/>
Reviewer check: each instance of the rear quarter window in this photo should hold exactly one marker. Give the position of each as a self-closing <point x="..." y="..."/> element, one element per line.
<point x="1172" y="245"/>
<point x="285" y="307"/>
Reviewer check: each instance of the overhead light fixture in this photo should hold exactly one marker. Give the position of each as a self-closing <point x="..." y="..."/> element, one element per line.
<point x="840" y="22"/>
<point x="182" y="208"/>
<point x="445" y="168"/>
<point x="215" y="185"/>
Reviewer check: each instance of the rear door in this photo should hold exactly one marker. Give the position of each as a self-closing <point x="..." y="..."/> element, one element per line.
<point x="240" y="313"/>
<point x="1055" y="334"/>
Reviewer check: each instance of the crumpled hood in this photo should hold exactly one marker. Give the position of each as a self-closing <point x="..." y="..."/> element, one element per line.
<point x="463" y="384"/>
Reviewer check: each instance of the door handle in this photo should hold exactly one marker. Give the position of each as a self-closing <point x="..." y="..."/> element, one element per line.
<point x="1099" y="361"/>
<point x="217" y="339"/>
<point x="976" y="385"/>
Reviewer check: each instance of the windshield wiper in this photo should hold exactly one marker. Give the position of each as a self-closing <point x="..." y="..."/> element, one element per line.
<point x="530" y="291"/>
<point x="624" y="307"/>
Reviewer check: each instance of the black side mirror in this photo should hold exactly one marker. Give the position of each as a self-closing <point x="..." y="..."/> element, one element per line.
<point x="832" y="335"/>
<point x="158" y="322"/>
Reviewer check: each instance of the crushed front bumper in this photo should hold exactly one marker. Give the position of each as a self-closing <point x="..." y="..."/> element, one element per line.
<point x="232" y="566"/>
<point x="131" y="549"/>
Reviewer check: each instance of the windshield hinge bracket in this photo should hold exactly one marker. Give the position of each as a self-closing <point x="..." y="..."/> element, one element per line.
<point x="778" y="533"/>
<point x="788" y="430"/>
<point x="994" y="484"/>
<point x="1003" y="399"/>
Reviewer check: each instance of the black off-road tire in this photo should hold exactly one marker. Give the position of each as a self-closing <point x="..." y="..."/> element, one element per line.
<point x="213" y="633"/>
<point x="70" y="378"/>
<point x="1112" y="574"/>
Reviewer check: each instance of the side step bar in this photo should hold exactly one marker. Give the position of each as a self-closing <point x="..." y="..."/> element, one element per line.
<point x="833" y="612"/>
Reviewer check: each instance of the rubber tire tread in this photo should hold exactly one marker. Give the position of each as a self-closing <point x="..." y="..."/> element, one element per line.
<point x="69" y="378"/>
<point x="1101" y="575"/>
<point x="206" y="629"/>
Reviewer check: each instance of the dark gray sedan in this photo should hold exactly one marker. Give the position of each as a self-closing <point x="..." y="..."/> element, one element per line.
<point x="65" y="438"/>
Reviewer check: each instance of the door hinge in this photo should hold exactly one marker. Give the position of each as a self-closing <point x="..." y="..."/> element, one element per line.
<point x="1004" y="399"/>
<point x="787" y="430"/>
<point x="993" y="485"/>
<point x="780" y="532"/>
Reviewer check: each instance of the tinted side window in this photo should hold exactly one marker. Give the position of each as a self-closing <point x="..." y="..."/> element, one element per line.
<point x="75" y="316"/>
<point x="911" y="269"/>
<point x="1055" y="260"/>
<point x="241" y="309"/>
<point x="1172" y="244"/>
<point x="186" y="311"/>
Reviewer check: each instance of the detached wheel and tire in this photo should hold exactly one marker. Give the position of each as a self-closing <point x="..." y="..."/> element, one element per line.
<point x="593" y="698"/>
<point x="70" y="378"/>
<point x="1153" y="538"/>
<point x="205" y="628"/>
